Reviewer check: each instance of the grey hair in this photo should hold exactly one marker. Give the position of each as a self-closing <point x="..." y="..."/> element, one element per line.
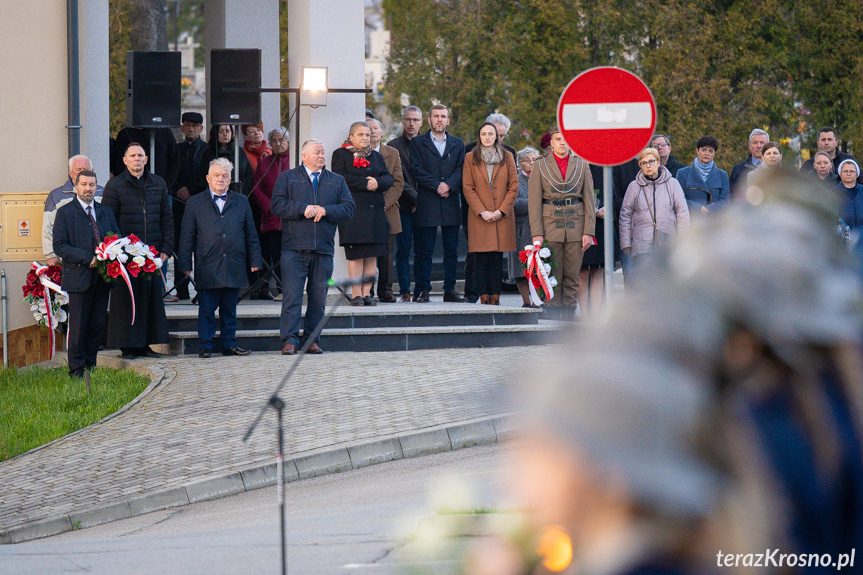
<point x="522" y="153"/>
<point x="224" y="162"/>
<point x="79" y="157"/>
<point x="499" y="119"/>
<point x="280" y="131"/>
<point x="412" y="109"/>
<point x="758" y="132"/>
<point x="356" y="125"/>
<point x="666" y="138"/>
<point x="380" y="123"/>
<point x="310" y="142"/>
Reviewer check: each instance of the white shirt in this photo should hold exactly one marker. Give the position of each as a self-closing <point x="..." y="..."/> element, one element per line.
<point x="85" y="206"/>
<point x="223" y="197"/>
<point x="439" y="144"/>
<point x="310" y="172"/>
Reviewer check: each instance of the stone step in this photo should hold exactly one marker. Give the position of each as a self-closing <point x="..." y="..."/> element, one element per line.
<point x="258" y="316"/>
<point x="389" y="339"/>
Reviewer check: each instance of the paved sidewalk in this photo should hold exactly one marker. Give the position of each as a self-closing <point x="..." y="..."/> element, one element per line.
<point x="190" y="427"/>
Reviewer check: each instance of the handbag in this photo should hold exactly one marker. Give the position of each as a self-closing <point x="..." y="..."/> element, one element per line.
<point x="659" y="238"/>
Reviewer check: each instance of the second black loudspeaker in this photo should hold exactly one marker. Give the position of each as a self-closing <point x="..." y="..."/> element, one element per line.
<point x="235" y="69"/>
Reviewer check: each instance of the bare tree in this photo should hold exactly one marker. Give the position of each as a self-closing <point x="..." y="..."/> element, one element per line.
<point x="149" y="24"/>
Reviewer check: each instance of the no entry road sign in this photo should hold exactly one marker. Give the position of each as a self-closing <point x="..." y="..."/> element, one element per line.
<point x="607" y="115"/>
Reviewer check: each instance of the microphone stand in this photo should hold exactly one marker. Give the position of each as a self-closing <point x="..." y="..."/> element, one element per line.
<point x="278" y="404"/>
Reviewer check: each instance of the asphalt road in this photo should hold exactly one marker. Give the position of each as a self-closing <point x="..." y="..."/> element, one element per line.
<point x="354" y="522"/>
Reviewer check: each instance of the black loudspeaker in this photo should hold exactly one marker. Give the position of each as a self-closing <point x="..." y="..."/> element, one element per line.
<point x="235" y="69"/>
<point x="153" y="89"/>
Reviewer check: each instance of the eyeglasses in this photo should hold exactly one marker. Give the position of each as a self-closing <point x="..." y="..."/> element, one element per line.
<point x="413" y="120"/>
<point x="647" y="163"/>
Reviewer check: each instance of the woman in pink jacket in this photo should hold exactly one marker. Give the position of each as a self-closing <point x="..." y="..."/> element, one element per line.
<point x="654" y="208"/>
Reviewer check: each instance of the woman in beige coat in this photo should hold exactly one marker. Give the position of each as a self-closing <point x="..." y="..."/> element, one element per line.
<point x="490" y="185"/>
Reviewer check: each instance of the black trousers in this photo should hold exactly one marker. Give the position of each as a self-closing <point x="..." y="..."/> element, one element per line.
<point x="87" y="319"/>
<point x="386" y="269"/>
<point x="271" y="251"/>
<point x="181" y="281"/>
<point x="488" y="272"/>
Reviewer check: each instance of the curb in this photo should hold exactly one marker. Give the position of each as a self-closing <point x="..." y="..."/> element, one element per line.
<point x="460" y="435"/>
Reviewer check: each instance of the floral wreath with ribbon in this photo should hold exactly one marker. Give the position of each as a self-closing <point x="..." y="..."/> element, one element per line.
<point x="538" y="266"/>
<point x="125" y="258"/>
<point x="41" y="281"/>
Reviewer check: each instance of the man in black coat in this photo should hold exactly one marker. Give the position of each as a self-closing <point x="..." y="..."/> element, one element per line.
<point x="437" y="160"/>
<point x="219" y="229"/>
<point x="412" y="119"/>
<point x="141" y="205"/>
<point x="191" y="150"/>
<point x="167" y="155"/>
<point x="312" y="202"/>
<point x="79" y="227"/>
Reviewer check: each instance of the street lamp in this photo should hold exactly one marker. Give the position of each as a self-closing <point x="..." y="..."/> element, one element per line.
<point x="314" y="86"/>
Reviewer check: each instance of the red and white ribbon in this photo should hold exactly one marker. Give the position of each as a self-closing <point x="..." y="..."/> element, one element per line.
<point x="103" y="254"/>
<point x="535" y="268"/>
<point x="49" y="286"/>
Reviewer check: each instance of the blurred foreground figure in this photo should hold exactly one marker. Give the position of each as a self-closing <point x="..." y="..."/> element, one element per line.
<point x="719" y="411"/>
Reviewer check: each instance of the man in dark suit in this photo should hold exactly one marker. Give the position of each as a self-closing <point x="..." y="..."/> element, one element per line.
<point x="412" y="119"/>
<point x="218" y="228"/>
<point x="757" y="139"/>
<point x="191" y="150"/>
<point x="79" y="227"/>
<point x="311" y="202"/>
<point x="437" y="160"/>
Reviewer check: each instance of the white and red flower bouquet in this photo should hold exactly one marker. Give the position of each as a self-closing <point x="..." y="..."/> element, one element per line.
<point x="538" y="266"/>
<point x="47" y="308"/>
<point x="128" y="256"/>
<point x="124" y="257"/>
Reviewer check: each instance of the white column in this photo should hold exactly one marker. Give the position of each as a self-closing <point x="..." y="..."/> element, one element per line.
<point x="328" y="33"/>
<point x="93" y="23"/>
<point x="249" y="24"/>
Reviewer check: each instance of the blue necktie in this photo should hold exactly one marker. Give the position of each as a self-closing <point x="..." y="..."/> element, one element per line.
<point x="315" y="180"/>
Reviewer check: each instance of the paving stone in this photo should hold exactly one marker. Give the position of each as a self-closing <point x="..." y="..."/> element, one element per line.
<point x="323" y="463"/>
<point x="38" y="529"/>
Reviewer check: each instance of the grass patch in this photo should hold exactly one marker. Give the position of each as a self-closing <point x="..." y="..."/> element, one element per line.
<point x="39" y="405"/>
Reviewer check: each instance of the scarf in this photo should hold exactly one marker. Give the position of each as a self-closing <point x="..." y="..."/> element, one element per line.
<point x="255" y="153"/>
<point x="703" y="170"/>
<point x="360" y="154"/>
<point x="490" y="155"/>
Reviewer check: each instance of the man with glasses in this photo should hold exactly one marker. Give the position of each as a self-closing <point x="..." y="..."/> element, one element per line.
<point x="412" y="120"/>
<point x="663" y="146"/>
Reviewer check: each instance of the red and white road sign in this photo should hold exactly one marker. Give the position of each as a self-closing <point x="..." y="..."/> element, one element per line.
<point x="607" y="115"/>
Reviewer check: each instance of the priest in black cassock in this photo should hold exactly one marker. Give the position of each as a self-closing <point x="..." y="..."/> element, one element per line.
<point x="141" y="205"/>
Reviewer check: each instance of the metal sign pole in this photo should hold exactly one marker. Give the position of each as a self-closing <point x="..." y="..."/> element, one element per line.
<point x="237" y="154"/>
<point x="608" y="228"/>
<point x="152" y="150"/>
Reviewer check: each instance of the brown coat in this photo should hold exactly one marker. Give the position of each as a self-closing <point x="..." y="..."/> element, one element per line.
<point x="486" y="236"/>
<point x="563" y="223"/>
<point x="392" y="195"/>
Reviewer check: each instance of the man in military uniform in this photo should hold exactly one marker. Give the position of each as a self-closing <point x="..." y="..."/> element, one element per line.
<point x="563" y="213"/>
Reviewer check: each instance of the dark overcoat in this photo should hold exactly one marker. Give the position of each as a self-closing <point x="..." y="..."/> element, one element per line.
<point x="75" y="245"/>
<point x="141" y="206"/>
<point x="408" y="199"/>
<point x="369" y="224"/>
<point x="429" y="169"/>
<point x="221" y="242"/>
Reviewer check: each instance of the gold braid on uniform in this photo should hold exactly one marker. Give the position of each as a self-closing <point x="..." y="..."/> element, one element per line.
<point x="576" y="177"/>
